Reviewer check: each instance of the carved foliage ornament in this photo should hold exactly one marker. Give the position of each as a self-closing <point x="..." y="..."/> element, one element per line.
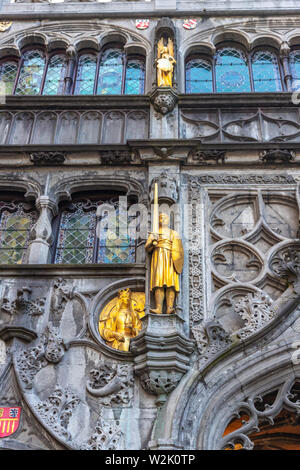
<point x="277" y="155"/>
<point x="47" y="158"/>
<point x="23" y="305"/>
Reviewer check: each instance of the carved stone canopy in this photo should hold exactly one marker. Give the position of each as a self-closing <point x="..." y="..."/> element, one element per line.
<point x="167" y="188"/>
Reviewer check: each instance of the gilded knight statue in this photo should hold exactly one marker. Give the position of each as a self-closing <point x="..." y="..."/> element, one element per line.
<point x="166" y="265"/>
<point x="120" y="319"/>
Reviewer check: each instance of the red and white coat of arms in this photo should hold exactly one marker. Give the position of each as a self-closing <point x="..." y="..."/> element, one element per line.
<point x="142" y="24"/>
<point x="9" y="420"/>
<point x="189" y="24"/>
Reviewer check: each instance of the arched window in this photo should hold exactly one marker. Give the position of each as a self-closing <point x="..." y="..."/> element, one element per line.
<point x="94" y="231"/>
<point x="232" y="72"/>
<point x="85" y="77"/>
<point x="110" y="73"/>
<point x="8" y="73"/>
<point x="16" y="220"/>
<point x="198" y="76"/>
<point x="31" y="73"/>
<point x="56" y="72"/>
<point x="265" y="70"/>
<point x="295" y="69"/>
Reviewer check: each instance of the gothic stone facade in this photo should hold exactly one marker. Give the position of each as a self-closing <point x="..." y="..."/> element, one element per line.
<point x="233" y="159"/>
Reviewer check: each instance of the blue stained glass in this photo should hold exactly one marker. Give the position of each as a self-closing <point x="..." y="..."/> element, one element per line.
<point x="110" y="73"/>
<point x="135" y="77"/>
<point x="31" y="74"/>
<point x="85" y="78"/>
<point x="198" y="76"/>
<point x="295" y="70"/>
<point x="266" y="76"/>
<point x="232" y="72"/>
<point x="56" y="72"/>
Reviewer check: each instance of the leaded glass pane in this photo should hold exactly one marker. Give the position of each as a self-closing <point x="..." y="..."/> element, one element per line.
<point x="14" y="234"/>
<point x="31" y="74"/>
<point x="85" y="78"/>
<point x="115" y="244"/>
<point x="8" y="73"/>
<point x="266" y="76"/>
<point x="135" y="77"/>
<point x="232" y="73"/>
<point x="76" y="236"/>
<point x="56" y="71"/>
<point x="198" y="78"/>
<point x="79" y="231"/>
<point x="111" y="73"/>
<point x="295" y="70"/>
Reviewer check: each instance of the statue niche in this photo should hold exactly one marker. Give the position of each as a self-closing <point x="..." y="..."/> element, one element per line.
<point x="120" y="319"/>
<point x="165" y="62"/>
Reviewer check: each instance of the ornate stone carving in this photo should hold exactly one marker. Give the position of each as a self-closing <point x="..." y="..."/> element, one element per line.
<point x="256" y="309"/>
<point x="277" y="156"/>
<point x="241" y="179"/>
<point x="50" y="349"/>
<point x="160" y="382"/>
<point x="107" y="436"/>
<point x="116" y="157"/>
<point x="203" y="156"/>
<point x="286" y="263"/>
<point x="113" y="383"/>
<point x="167" y="188"/>
<point x="47" y="158"/>
<point x="211" y="339"/>
<point x="164" y="100"/>
<point x="62" y="293"/>
<point x="57" y="410"/>
<point x="22" y="305"/>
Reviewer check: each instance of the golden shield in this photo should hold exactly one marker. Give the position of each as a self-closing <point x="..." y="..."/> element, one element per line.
<point x="178" y="255"/>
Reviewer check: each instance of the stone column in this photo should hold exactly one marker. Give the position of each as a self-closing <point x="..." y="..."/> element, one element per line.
<point x="41" y="234"/>
<point x="284" y="53"/>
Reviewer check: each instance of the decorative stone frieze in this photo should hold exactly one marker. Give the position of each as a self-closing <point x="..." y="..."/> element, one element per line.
<point x="47" y="158"/>
<point x="277" y="156"/>
<point x="202" y="157"/>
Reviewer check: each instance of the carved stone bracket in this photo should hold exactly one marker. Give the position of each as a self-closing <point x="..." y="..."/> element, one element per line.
<point x="161" y="354"/>
<point x="47" y="158"/>
<point x="62" y="293"/>
<point x="277" y="156"/>
<point x="164" y="100"/>
<point x="201" y="157"/>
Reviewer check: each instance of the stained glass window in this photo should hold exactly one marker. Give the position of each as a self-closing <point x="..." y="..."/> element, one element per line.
<point x="110" y="73"/>
<point x="8" y="73"/>
<point x="56" y="71"/>
<point x="31" y="74"/>
<point x="232" y="72"/>
<point x="85" y="78"/>
<point x="135" y="77"/>
<point x="198" y="76"/>
<point x="266" y="76"/>
<point x="295" y="69"/>
<point x="15" y="225"/>
<point x="85" y="237"/>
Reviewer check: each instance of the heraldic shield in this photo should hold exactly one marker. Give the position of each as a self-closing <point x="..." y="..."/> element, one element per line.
<point x="177" y="255"/>
<point x="9" y="420"/>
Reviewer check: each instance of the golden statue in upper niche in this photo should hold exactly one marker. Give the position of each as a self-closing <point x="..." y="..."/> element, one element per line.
<point x="165" y="63"/>
<point x="120" y="319"/>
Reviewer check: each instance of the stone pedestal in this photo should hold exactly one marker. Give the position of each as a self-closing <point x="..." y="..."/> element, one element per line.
<point x="161" y="354"/>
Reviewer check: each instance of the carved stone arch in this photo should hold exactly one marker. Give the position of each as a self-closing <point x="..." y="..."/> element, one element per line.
<point x="266" y="40"/>
<point x="31" y="188"/>
<point x="58" y="42"/>
<point x="64" y="189"/>
<point x="11" y="51"/>
<point x="114" y="36"/>
<point x="29" y="38"/>
<point x="87" y="43"/>
<point x="200" y="47"/>
<point x="98" y="303"/>
<point x="231" y="35"/>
